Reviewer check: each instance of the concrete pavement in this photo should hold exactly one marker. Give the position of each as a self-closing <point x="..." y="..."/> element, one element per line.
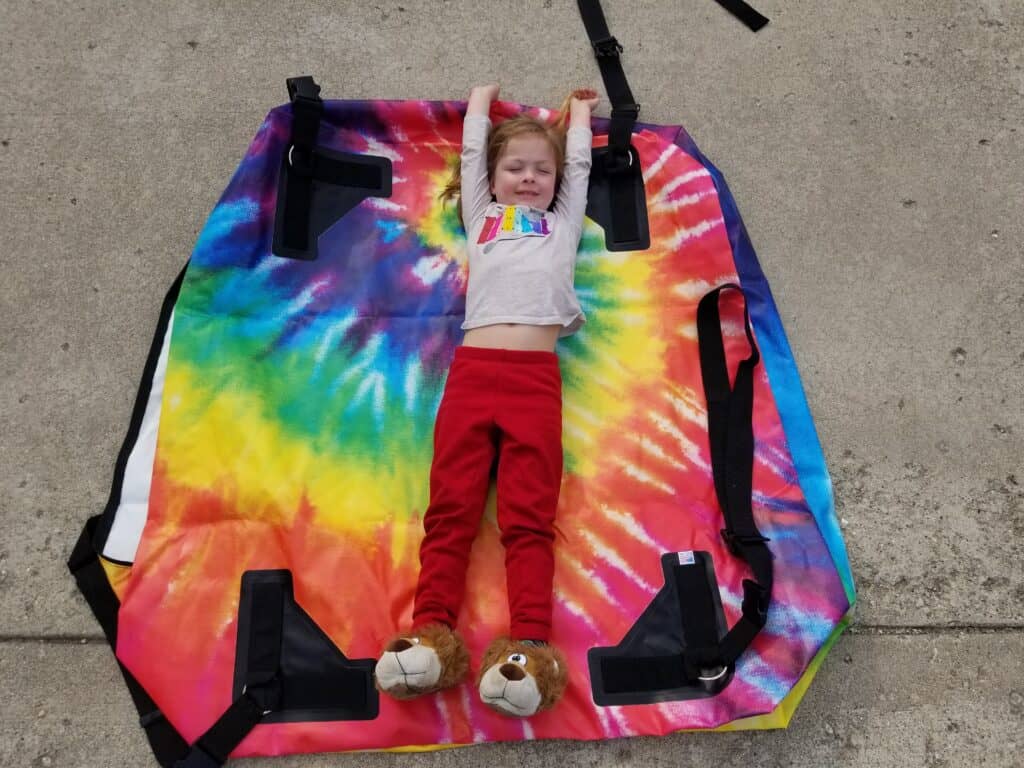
<point x="876" y="151"/>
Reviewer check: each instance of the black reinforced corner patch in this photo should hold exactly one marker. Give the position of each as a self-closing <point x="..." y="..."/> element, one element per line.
<point x="311" y="200"/>
<point x="617" y="200"/>
<point x="647" y="666"/>
<point x="319" y="683"/>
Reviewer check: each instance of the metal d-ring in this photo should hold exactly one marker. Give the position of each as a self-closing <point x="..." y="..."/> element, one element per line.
<point x="711" y="679"/>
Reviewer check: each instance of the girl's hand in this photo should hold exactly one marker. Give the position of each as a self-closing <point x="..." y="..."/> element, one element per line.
<point x="586" y="97"/>
<point x="582" y="103"/>
<point x="489" y="91"/>
<point x="480" y="99"/>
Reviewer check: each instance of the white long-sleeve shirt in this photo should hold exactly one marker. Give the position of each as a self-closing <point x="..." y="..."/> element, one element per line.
<point x="522" y="260"/>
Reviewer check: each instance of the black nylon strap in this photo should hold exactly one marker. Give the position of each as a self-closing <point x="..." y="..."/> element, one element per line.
<point x="307" y="109"/>
<point x="730" y="431"/>
<point x="744" y="13"/>
<point x="624" y="213"/>
<point x="625" y="110"/>
<point x="607" y="49"/>
<point x="166" y="743"/>
<point x="696" y="606"/>
<point x="731" y="438"/>
<point x="619" y="162"/>
<point x="262" y="692"/>
<point x="227" y="733"/>
<point x="265" y="634"/>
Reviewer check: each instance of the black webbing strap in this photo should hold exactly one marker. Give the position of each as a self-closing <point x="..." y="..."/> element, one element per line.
<point x="626" y="224"/>
<point x="262" y="692"/>
<point x="166" y="743"/>
<point x="705" y="658"/>
<point x="214" y="746"/>
<point x="705" y="661"/>
<point x="625" y="110"/>
<point x="696" y="607"/>
<point x="744" y="13"/>
<point x="731" y="438"/>
<point x="307" y="108"/>
<point x="620" y="163"/>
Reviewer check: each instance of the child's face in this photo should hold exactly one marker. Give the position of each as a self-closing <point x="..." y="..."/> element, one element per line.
<point x="525" y="172"/>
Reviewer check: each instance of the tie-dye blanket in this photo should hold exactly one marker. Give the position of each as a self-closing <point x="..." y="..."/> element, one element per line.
<point x="295" y="432"/>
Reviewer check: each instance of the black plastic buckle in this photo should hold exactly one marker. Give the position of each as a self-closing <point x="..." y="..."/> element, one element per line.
<point x="303" y="88"/>
<point x="606" y="47"/>
<point x="735" y="540"/>
<point x="626" y="110"/>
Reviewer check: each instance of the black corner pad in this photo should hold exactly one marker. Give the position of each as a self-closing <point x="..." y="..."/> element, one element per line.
<point x="617" y="199"/>
<point x="670" y="653"/>
<point x="318" y="186"/>
<point x="317" y="681"/>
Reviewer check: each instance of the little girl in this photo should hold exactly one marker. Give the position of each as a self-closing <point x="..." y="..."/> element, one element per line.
<point x="523" y="189"/>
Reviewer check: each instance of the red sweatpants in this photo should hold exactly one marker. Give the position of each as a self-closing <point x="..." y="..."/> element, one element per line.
<point x="506" y="403"/>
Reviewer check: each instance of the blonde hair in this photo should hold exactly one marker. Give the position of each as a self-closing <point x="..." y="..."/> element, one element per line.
<point x="502" y="134"/>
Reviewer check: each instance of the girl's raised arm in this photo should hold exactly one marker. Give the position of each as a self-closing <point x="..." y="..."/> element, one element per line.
<point x="475" y="190"/>
<point x="572" y="194"/>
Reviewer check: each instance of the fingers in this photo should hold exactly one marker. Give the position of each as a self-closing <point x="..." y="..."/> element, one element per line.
<point x="490" y="89"/>
<point x="587" y="97"/>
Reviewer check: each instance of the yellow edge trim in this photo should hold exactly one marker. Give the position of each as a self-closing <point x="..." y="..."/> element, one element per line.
<point x="117" y="575"/>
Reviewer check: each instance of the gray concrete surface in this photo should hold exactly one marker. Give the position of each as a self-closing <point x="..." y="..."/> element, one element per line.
<point x="876" y="151"/>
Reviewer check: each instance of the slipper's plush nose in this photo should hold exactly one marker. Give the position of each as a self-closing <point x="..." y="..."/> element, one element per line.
<point x="397" y="646"/>
<point x="512" y="672"/>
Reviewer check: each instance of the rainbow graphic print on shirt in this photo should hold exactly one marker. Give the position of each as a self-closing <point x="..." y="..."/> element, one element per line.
<point x="296" y="432"/>
<point x="511" y="222"/>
